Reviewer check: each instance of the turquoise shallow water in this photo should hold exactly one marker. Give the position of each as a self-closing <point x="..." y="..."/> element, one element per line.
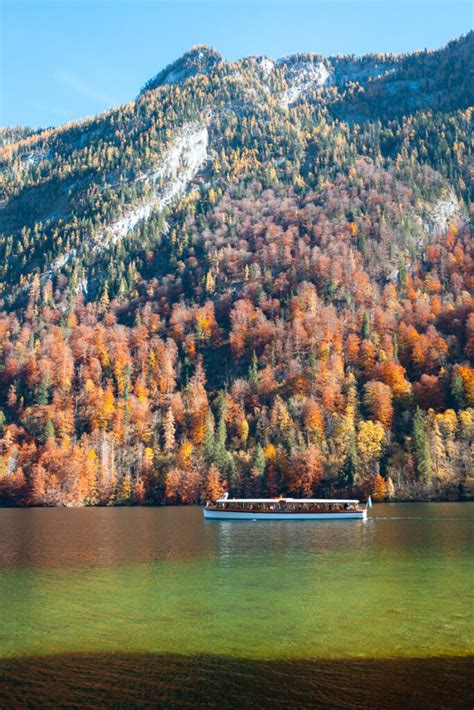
<point x="164" y="583"/>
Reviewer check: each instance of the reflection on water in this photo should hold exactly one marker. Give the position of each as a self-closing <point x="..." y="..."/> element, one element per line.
<point x="98" y="536"/>
<point x="113" y="536"/>
<point x="302" y="597"/>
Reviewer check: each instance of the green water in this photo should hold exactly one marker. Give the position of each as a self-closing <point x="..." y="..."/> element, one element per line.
<point x="167" y="583"/>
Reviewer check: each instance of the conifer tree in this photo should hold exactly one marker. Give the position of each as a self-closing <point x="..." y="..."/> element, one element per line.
<point x="253" y="371"/>
<point x="209" y="439"/>
<point x="457" y="391"/>
<point x="421" y="447"/>
<point x="259" y="461"/>
<point x="366" y="330"/>
<point x="348" y="474"/>
<point x="49" y="432"/>
<point x="42" y="393"/>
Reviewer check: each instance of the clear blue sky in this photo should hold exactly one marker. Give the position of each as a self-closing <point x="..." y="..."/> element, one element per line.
<point x="65" y="59"/>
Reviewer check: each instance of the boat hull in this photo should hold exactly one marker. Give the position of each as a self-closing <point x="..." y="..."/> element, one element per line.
<point x="210" y="514"/>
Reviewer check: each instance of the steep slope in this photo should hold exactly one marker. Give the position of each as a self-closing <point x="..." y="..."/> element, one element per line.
<point x="92" y="170"/>
<point x="260" y="269"/>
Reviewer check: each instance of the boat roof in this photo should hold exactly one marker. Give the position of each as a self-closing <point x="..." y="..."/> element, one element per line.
<point x="292" y="500"/>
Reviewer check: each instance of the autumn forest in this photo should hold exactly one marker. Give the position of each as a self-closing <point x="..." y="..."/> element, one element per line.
<point x="294" y="317"/>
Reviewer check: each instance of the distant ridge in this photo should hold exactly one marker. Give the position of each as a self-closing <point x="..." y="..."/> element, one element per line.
<point x="198" y="60"/>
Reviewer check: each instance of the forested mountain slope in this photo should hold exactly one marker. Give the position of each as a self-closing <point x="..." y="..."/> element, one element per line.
<point x="257" y="275"/>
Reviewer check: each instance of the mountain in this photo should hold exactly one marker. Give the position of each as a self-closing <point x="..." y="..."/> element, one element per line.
<point x="256" y="275"/>
<point x="199" y="60"/>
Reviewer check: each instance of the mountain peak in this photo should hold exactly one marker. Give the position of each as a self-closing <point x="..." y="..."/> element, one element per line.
<point x="200" y="59"/>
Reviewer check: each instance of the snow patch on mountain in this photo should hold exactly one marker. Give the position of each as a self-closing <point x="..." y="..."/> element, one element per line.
<point x="302" y="76"/>
<point x="58" y="264"/>
<point x="180" y="165"/>
<point x="33" y="158"/>
<point x="177" y="76"/>
<point x="265" y="65"/>
<point x="168" y="181"/>
<point x="62" y="260"/>
<point x="119" y="229"/>
<point x="262" y="64"/>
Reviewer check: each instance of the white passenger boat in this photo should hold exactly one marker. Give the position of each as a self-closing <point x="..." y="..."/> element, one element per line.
<point x="285" y="509"/>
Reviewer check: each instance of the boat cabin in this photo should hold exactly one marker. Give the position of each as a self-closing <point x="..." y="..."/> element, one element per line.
<point x="287" y="505"/>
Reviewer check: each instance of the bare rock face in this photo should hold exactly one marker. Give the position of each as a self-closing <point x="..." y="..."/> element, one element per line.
<point x="303" y="72"/>
<point x="442" y="213"/>
<point x="171" y="178"/>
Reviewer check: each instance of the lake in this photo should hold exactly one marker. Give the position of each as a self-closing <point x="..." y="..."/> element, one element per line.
<point x="155" y="607"/>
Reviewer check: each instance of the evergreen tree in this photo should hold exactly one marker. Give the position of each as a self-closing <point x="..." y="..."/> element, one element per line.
<point x="348" y="475"/>
<point x="421" y="447"/>
<point x="259" y="460"/>
<point x="253" y="371"/>
<point x="362" y="240"/>
<point x="126" y="382"/>
<point x="209" y="439"/>
<point x="42" y="393"/>
<point x="49" y="432"/>
<point x="457" y="391"/>
<point x="366" y="330"/>
<point x="221" y="455"/>
<point x="402" y="276"/>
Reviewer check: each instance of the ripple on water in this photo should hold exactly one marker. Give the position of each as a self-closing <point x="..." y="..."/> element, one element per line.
<point x="297" y="602"/>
